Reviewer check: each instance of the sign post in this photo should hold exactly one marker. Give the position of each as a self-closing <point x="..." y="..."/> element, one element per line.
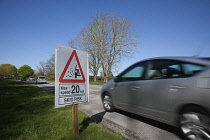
<point x="71" y="81"/>
<point x="75" y="120"/>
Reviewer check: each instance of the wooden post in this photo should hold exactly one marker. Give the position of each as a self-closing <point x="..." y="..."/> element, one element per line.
<point x="75" y="120"/>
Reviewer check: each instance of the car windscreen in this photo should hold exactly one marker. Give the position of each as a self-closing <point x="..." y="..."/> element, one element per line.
<point x="41" y="77"/>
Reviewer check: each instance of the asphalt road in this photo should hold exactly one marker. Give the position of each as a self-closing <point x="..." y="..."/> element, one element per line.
<point x="131" y="126"/>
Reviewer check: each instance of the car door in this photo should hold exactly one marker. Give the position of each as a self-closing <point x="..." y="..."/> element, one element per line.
<point x="162" y="79"/>
<point x="128" y="88"/>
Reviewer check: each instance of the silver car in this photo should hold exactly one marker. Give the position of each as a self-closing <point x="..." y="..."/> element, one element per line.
<point x="173" y="90"/>
<point x="31" y="78"/>
<point x="41" y="79"/>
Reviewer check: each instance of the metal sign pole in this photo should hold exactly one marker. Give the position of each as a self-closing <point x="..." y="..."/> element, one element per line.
<point x="75" y="120"/>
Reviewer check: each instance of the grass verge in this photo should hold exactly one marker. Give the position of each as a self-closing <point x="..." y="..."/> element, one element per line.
<point x="96" y="83"/>
<point x="28" y="113"/>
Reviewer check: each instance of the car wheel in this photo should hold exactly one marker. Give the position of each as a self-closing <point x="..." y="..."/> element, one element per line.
<point x="107" y="103"/>
<point x="195" y="124"/>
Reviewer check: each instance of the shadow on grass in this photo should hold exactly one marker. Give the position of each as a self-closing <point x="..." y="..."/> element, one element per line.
<point x="97" y="118"/>
<point x="50" y="89"/>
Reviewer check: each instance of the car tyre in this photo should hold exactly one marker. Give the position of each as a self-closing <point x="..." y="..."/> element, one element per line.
<point x="195" y="124"/>
<point x="107" y="103"/>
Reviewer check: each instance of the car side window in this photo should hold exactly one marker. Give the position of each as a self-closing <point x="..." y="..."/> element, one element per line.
<point x="160" y="69"/>
<point x="172" y="71"/>
<point x="192" y="69"/>
<point x="134" y="73"/>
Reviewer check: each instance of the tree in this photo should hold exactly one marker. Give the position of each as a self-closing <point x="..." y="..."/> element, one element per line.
<point x="8" y="70"/>
<point x="47" y="68"/>
<point x="25" y="71"/>
<point x="50" y="68"/>
<point x="41" y="68"/>
<point x="108" y="39"/>
<point x="110" y="75"/>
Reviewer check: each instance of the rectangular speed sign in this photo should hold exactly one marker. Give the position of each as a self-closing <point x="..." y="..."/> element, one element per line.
<point x="71" y="76"/>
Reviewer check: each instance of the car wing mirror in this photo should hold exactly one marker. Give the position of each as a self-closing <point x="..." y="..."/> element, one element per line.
<point x="116" y="79"/>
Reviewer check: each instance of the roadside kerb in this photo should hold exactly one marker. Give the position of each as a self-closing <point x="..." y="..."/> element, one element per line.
<point x="105" y="122"/>
<point x="129" y="128"/>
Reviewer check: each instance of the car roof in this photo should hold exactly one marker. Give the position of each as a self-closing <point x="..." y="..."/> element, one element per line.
<point x="202" y="61"/>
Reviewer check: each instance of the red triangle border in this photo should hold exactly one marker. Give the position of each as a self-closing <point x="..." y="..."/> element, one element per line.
<point x="61" y="80"/>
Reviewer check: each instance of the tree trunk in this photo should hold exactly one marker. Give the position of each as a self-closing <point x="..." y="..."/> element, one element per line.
<point x="95" y="78"/>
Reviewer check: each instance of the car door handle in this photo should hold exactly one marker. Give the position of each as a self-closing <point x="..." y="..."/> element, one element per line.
<point x="176" y="87"/>
<point x="135" y="87"/>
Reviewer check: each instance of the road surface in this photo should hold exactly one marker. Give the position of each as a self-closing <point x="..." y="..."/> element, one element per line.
<point x="130" y="126"/>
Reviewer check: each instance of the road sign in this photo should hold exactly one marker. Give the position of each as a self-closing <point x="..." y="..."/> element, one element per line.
<point x="72" y="72"/>
<point x="71" y="76"/>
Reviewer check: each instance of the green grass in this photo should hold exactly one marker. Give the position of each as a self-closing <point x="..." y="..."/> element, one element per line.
<point x="28" y="113"/>
<point x="50" y="80"/>
<point x="96" y="83"/>
<point x="90" y="82"/>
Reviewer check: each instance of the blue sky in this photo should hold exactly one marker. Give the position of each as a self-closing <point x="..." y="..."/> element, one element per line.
<point x="30" y="30"/>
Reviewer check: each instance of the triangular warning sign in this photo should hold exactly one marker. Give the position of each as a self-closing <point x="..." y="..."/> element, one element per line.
<point x="72" y="72"/>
